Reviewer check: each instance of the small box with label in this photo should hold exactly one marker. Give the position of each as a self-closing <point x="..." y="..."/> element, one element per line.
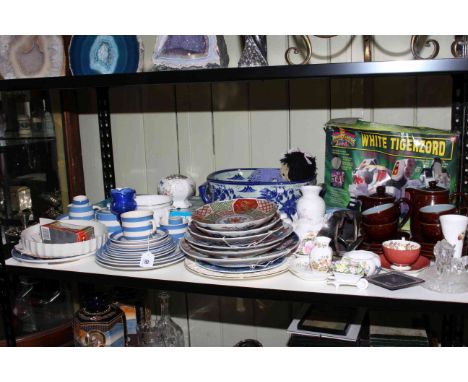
<point x="61" y="233"/>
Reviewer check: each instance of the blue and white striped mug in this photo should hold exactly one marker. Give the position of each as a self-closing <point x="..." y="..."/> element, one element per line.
<point x="109" y="220"/>
<point x="138" y="224"/>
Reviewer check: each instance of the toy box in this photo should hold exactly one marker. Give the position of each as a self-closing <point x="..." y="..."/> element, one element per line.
<point x="362" y="155"/>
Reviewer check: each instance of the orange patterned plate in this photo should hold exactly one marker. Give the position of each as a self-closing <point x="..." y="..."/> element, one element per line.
<point x="234" y="215"/>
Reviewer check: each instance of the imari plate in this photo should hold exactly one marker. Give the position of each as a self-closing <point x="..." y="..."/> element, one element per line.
<point x="272" y="238"/>
<point x="234" y="215"/>
<point x="233" y="237"/>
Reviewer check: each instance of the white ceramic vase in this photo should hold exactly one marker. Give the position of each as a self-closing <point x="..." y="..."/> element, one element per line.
<point x="179" y="187"/>
<point x="311" y="206"/>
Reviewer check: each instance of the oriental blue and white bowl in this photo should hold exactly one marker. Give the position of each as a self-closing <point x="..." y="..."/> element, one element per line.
<point x="262" y="183"/>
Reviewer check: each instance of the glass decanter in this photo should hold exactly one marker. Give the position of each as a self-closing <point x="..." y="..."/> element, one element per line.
<point x="166" y="332"/>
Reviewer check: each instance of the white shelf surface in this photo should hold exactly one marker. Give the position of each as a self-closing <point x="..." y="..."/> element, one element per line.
<point x="283" y="282"/>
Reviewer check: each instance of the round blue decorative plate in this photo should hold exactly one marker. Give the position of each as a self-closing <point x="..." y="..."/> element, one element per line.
<point x="105" y="55"/>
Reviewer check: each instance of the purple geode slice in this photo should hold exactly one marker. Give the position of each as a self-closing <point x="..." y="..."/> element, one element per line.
<point x="185" y="46"/>
<point x="176" y="52"/>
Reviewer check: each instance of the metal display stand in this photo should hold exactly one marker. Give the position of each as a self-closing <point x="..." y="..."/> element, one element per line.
<point x="457" y="68"/>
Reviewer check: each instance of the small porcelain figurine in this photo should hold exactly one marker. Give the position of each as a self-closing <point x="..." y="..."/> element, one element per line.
<point x="180" y="187"/>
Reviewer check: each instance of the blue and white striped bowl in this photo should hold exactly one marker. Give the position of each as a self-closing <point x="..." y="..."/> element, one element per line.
<point x="177" y="231"/>
<point x="109" y="220"/>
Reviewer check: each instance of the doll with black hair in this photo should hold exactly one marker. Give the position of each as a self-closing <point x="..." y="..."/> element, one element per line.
<point x="298" y="166"/>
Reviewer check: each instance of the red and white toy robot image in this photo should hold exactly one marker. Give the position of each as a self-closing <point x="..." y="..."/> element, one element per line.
<point x="366" y="178"/>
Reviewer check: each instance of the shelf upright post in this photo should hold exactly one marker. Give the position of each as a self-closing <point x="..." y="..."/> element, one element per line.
<point x="105" y="136"/>
<point x="5" y="305"/>
<point x="459" y="124"/>
<point x="452" y="327"/>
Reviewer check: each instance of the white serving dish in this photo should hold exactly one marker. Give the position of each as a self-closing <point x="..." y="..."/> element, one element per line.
<point x="153" y="200"/>
<point x="31" y="240"/>
<point x="159" y="204"/>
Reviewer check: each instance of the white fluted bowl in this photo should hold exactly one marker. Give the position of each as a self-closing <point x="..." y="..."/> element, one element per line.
<point x="31" y="241"/>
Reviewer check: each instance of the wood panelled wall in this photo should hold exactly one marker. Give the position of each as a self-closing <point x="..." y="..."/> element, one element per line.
<point x="196" y="129"/>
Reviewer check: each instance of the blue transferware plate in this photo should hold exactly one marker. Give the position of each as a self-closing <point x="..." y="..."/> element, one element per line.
<point x="249" y="269"/>
<point x="105" y="55"/>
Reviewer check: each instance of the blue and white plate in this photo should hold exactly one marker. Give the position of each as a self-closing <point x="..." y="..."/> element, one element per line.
<point x="145" y="246"/>
<point x="249" y="269"/>
<point x="120" y="240"/>
<point x="24" y="258"/>
<point x="127" y="255"/>
<point x="136" y="262"/>
<point x="194" y="267"/>
<point x="105" y="54"/>
<point x="173" y="259"/>
<point x="238" y="261"/>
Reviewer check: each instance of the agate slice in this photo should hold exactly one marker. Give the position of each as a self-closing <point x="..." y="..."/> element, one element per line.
<point x="105" y="55"/>
<point x="31" y="56"/>
<point x="177" y="52"/>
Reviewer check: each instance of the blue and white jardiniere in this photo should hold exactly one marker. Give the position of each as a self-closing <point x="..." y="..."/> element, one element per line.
<point x="80" y="209"/>
<point x="264" y="183"/>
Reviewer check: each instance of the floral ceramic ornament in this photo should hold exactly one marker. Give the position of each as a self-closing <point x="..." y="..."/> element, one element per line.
<point x="179" y="187"/>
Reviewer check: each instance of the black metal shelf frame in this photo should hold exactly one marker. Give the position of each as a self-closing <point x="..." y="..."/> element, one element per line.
<point x="457" y="68"/>
<point x="336" y="70"/>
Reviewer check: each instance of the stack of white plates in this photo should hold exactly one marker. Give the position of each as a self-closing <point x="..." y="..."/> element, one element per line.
<point x="32" y="249"/>
<point x="241" y="238"/>
<point x="120" y="253"/>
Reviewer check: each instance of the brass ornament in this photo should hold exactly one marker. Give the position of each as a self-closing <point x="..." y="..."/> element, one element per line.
<point x="415" y="51"/>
